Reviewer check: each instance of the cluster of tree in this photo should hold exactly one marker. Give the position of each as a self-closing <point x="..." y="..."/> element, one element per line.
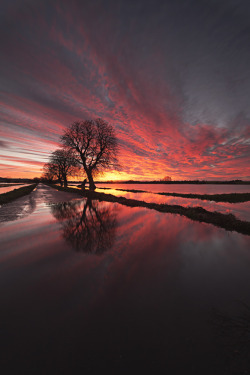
<point x="62" y="164"/>
<point x="88" y="147"/>
<point x="166" y="178"/>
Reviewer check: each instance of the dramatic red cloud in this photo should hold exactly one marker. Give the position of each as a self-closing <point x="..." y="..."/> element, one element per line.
<point x="60" y="68"/>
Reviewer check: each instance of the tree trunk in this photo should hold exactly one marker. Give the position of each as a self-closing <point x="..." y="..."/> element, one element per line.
<point x="91" y="181"/>
<point x="65" y="182"/>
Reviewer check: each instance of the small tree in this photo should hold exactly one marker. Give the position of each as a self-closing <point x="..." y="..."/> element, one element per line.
<point x="51" y="172"/>
<point x="94" y="144"/>
<point x="66" y="164"/>
<point x="166" y="178"/>
<point x="62" y="164"/>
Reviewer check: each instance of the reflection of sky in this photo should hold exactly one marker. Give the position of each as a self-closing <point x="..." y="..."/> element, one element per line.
<point x="156" y="284"/>
<point x="240" y="210"/>
<point x="182" y="188"/>
<point x="10" y="188"/>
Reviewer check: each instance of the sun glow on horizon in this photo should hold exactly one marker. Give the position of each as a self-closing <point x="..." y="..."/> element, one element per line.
<point x="175" y="114"/>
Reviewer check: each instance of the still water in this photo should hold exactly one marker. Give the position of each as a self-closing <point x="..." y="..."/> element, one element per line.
<point x="182" y="188"/>
<point x="240" y="210"/>
<point x="12" y="187"/>
<point x="89" y="286"/>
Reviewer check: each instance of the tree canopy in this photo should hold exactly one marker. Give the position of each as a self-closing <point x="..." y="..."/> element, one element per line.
<point x="61" y="165"/>
<point x="94" y="145"/>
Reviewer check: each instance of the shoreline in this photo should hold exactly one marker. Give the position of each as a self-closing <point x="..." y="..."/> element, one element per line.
<point x="227" y="197"/>
<point x="16" y="193"/>
<point x="225" y="221"/>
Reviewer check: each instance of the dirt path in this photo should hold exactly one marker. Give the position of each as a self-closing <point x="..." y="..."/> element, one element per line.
<point x="24" y="206"/>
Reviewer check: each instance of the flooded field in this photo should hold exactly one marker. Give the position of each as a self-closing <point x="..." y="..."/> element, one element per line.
<point x="182" y="188"/>
<point x="240" y="210"/>
<point x="12" y="187"/>
<point x="88" y="286"/>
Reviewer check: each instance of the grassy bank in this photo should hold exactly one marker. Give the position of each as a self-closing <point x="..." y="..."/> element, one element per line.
<point x="229" y="198"/>
<point x="16" y="193"/>
<point x="7" y="185"/>
<point x="226" y="221"/>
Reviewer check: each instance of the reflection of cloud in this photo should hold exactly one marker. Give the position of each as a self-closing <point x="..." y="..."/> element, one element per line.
<point x="89" y="226"/>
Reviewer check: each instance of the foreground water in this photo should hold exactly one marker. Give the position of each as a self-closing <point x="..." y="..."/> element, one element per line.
<point x="88" y="286"/>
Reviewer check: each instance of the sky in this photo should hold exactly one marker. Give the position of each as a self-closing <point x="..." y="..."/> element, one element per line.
<point x="172" y="77"/>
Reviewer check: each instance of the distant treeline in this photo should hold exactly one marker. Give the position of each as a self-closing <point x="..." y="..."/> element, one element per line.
<point x="200" y="182"/>
<point x="19" y="180"/>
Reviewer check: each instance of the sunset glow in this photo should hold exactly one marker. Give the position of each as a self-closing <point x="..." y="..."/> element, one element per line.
<point x="176" y="92"/>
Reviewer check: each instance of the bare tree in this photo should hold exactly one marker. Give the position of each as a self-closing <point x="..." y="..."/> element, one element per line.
<point x="166" y="178"/>
<point x="94" y="144"/>
<point x="62" y="164"/>
<point x="52" y="172"/>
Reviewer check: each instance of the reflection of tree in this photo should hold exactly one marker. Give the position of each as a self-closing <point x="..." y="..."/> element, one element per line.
<point x="88" y="225"/>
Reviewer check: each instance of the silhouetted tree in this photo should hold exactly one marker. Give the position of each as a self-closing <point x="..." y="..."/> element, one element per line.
<point x="66" y="162"/>
<point x="166" y="178"/>
<point x="94" y="144"/>
<point x="51" y="172"/>
<point x="62" y="164"/>
<point x="89" y="226"/>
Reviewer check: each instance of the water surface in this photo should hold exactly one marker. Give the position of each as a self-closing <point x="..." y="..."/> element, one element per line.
<point x="240" y="210"/>
<point x="182" y="188"/>
<point x="91" y="286"/>
<point x="10" y="188"/>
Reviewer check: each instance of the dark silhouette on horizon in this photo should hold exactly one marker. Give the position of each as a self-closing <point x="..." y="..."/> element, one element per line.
<point x="94" y="145"/>
<point x="61" y="165"/>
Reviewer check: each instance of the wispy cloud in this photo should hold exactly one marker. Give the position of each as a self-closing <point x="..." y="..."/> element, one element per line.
<point x="173" y="78"/>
